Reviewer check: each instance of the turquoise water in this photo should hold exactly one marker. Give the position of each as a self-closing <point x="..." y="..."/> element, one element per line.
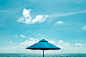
<point x="40" y="55"/>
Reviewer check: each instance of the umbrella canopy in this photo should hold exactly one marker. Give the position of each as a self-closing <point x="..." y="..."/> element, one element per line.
<point x="43" y="45"/>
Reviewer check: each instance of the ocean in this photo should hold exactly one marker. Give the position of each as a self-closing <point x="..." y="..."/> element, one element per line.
<point x="40" y="55"/>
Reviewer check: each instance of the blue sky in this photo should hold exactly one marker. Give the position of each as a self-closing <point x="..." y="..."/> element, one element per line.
<point x="25" y="22"/>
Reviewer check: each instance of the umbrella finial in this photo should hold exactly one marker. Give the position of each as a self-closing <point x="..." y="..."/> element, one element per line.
<point x="43" y="40"/>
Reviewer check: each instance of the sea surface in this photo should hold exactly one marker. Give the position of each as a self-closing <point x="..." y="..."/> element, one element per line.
<point x="40" y="55"/>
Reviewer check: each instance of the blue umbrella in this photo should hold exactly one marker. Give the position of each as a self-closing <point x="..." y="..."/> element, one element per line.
<point x="43" y="45"/>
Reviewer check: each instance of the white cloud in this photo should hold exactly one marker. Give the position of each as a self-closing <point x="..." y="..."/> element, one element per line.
<point x="63" y="45"/>
<point x="10" y="41"/>
<point x="27" y="19"/>
<point x="81" y="40"/>
<point x="84" y="27"/>
<point x="21" y="20"/>
<point x="22" y="36"/>
<point x="78" y="44"/>
<point x="78" y="40"/>
<point x="13" y="43"/>
<point x="84" y="44"/>
<point x="59" y="22"/>
<point x="15" y="36"/>
<point x="26" y="16"/>
<point x="39" y="34"/>
<point x="39" y="18"/>
<point x="75" y="40"/>
<point x="42" y="35"/>
<point x="70" y="48"/>
<point x="52" y="41"/>
<point x="26" y="13"/>
<point x="27" y="43"/>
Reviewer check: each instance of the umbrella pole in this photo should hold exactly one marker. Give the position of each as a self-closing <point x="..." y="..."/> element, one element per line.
<point x="43" y="52"/>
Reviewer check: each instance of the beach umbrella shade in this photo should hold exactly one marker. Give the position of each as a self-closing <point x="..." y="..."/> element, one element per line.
<point x="43" y="45"/>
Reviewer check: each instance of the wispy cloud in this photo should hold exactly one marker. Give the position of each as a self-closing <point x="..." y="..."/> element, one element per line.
<point x="84" y="27"/>
<point x="78" y="40"/>
<point x="78" y="44"/>
<point x="59" y="22"/>
<point x="75" y="40"/>
<point x="22" y="36"/>
<point x="67" y="14"/>
<point x="27" y="19"/>
<point x="13" y="43"/>
<point x="39" y="34"/>
<point x="81" y="40"/>
<point x="84" y="44"/>
<point x="42" y="35"/>
<point x="15" y="36"/>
